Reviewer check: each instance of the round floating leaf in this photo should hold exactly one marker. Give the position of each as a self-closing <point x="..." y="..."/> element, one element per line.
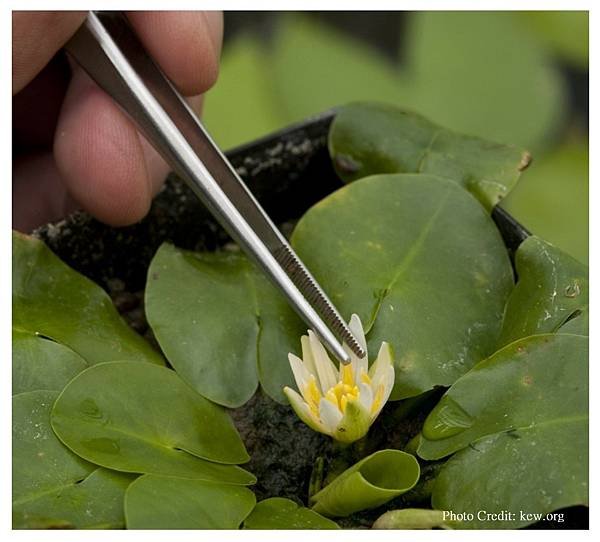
<point x="552" y="288"/>
<point x="544" y="471"/>
<point x="279" y="513"/>
<point x="51" y="299"/>
<point x="41" y="464"/>
<point x="52" y="487"/>
<point x="483" y="73"/>
<point x="221" y="324"/>
<point x="143" y="418"/>
<point x="566" y="32"/>
<point x="369" y="138"/>
<point x="539" y="380"/>
<point x="421" y="263"/>
<point x="552" y="199"/>
<point x="315" y="67"/>
<point x="412" y="518"/>
<point x="519" y="423"/>
<point x="41" y="364"/>
<point x="371" y="482"/>
<point x="96" y="502"/>
<point x="162" y="502"/>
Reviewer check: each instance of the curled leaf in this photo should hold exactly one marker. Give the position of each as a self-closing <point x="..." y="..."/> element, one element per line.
<point x="371" y="482"/>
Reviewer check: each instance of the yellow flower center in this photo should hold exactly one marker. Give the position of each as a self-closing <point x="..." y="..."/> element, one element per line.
<point x="344" y="390"/>
<point x="339" y="395"/>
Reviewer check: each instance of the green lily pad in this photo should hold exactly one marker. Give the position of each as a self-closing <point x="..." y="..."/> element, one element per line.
<point x="412" y="518"/>
<point x="280" y="513"/>
<point x="143" y="418"/>
<point x="36" y="450"/>
<point x="162" y="502"/>
<point x="53" y="487"/>
<point x="51" y="299"/>
<point x="552" y="288"/>
<point x="421" y="263"/>
<point x="370" y="138"/>
<point x="96" y="502"/>
<point x="371" y="482"/>
<point x="552" y="198"/>
<point x="566" y="32"/>
<point x="459" y="68"/>
<point x="221" y="324"/>
<point x="41" y="364"/>
<point x="314" y="67"/>
<point x="519" y="424"/>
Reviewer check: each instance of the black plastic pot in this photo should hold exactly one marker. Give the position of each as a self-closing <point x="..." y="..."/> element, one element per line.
<point x="288" y="171"/>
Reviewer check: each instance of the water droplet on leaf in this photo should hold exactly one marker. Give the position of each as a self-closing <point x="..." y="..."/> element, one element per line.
<point x="89" y="408"/>
<point x="102" y="445"/>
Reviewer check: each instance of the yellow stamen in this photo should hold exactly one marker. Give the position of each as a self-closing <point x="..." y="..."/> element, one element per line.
<point x="364" y="377"/>
<point x="312" y="394"/>
<point x="332" y="398"/>
<point x="347" y="375"/>
<point x="377" y="399"/>
<point x="339" y="394"/>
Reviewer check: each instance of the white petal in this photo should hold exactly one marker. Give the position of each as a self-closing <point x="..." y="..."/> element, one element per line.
<point x="356" y="328"/>
<point x="301" y="374"/>
<point x="379" y="370"/>
<point x="366" y="396"/>
<point x="388" y="384"/>
<point x="302" y="410"/>
<point x="330" y="415"/>
<point x="325" y="368"/>
<point x="307" y="357"/>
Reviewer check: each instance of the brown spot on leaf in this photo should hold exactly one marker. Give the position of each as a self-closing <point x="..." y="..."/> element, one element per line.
<point x="527" y="380"/>
<point x="526" y="159"/>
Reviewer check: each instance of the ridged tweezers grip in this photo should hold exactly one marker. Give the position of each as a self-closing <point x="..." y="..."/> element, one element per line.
<point x="308" y="286"/>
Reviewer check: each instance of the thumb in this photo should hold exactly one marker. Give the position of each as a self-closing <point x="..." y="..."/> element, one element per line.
<point x="36" y="37"/>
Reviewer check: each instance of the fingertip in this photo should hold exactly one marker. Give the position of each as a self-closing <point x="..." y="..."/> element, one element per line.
<point x="100" y="157"/>
<point x="186" y="45"/>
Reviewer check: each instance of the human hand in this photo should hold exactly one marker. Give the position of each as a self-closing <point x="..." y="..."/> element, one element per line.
<point x="72" y="145"/>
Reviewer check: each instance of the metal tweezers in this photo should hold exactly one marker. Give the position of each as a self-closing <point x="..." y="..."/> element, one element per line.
<point x="107" y="48"/>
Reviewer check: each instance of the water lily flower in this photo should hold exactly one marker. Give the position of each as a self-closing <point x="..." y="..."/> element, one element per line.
<point x="344" y="402"/>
